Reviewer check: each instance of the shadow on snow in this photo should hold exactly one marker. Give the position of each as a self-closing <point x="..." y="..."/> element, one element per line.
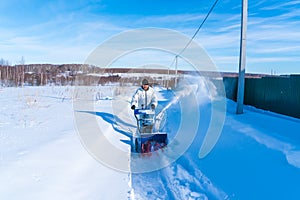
<point x="116" y="124"/>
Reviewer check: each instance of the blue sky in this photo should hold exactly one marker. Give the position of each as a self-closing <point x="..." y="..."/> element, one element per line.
<point x="68" y="31"/>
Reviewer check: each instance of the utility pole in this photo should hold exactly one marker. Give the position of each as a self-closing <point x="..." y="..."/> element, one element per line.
<point x="242" y="60"/>
<point x="176" y="70"/>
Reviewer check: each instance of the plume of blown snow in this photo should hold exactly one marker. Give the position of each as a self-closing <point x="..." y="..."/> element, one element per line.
<point x="202" y="88"/>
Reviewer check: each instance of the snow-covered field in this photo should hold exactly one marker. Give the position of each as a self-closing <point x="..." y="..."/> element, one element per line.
<point x="42" y="155"/>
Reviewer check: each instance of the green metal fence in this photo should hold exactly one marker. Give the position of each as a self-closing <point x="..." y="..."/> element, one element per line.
<point x="277" y="94"/>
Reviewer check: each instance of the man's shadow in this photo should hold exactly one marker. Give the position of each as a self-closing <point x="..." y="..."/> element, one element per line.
<point x="116" y="123"/>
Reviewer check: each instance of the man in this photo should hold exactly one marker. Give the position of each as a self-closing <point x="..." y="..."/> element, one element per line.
<point x="144" y="97"/>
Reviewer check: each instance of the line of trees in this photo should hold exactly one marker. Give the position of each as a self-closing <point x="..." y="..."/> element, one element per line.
<point x="38" y="74"/>
<point x="74" y="74"/>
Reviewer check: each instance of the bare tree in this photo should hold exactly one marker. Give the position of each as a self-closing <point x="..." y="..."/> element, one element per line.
<point x="22" y="62"/>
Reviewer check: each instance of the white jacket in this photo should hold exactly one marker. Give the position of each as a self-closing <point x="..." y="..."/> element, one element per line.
<point x="144" y="97"/>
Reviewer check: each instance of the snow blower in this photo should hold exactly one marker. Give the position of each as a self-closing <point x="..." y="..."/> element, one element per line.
<point x="148" y="140"/>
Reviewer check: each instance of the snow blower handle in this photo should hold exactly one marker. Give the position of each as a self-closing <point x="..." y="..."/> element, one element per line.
<point x="143" y="111"/>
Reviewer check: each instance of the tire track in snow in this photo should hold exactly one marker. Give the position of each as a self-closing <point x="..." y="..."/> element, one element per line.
<point x="180" y="180"/>
<point x="186" y="181"/>
<point x="148" y="186"/>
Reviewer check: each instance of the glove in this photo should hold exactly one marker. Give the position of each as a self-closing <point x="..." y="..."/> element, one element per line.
<point x="132" y="107"/>
<point x="152" y="106"/>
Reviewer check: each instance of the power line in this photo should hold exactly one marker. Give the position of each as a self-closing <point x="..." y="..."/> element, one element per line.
<point x="200" y="26"/>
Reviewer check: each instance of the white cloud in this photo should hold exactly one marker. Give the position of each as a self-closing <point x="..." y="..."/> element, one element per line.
<point x="171" y="19"/>
<point x="274" y="59"/>
<point x="281" y="5"/>
<point x="277" y="49"/>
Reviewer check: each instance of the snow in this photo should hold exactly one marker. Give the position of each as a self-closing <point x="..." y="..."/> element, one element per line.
<point x="54" y="143"/>
<point x="41" y="154"/>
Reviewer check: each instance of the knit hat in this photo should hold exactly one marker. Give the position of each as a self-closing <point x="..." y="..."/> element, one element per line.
<point x="145" y="82"/>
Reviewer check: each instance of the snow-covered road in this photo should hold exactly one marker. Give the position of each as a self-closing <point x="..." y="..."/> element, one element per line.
<point x="42" y="155"/>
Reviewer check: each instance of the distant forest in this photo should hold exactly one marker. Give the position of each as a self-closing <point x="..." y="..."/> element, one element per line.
<point x="84" y="74"/>
<point x="77" y="74"/>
